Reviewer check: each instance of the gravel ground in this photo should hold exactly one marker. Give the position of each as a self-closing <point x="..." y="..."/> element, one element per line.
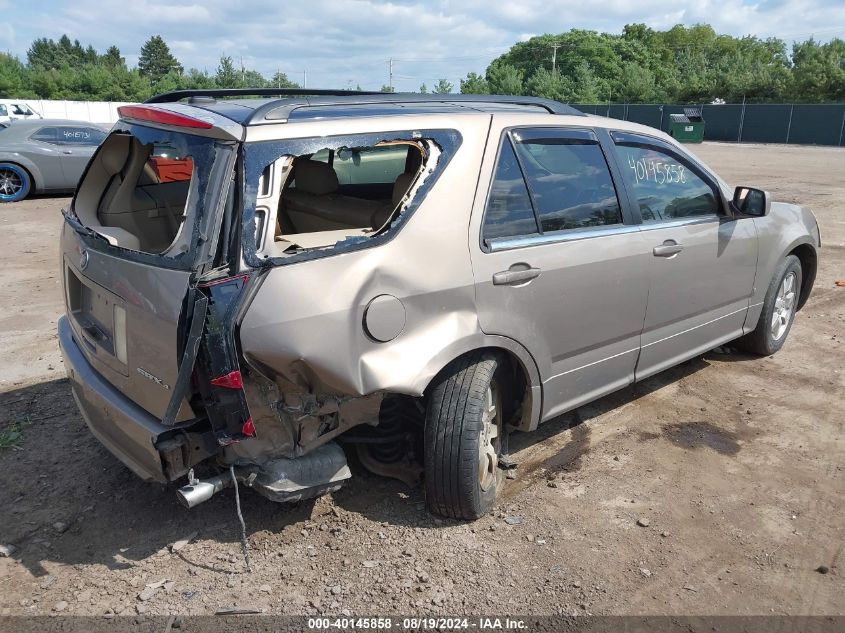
<point x="713" y="488"/>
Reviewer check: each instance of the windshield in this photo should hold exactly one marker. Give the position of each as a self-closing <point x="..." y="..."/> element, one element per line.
<point x="154" y="191"/>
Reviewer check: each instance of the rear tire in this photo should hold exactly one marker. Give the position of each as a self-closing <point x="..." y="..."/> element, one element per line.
<point x="463" y="434"/>
<point x="15" y="182"/>
<point x="778" y="312"/>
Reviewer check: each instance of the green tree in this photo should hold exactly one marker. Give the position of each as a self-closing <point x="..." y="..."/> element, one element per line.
<point x="42" y="53"/>
<point x="227" y="75"/>
<point x="386" y="88"/>
<point x="14" y="77"/>
<point x="587" y="87"/>
<point x="252" y="79"/>
<point x="504" y="79"/>
<point x="442" y="87"/>
<point x="550" y="85"/>
<point x="281" y="80"/>
<point x="819" y="70"/>
<point x="155" y="60"/>
<point x="423" y="89"/>
<point x="112" y="58"/>
<point x="474" y="84"/>
<point x="637" y="84"/>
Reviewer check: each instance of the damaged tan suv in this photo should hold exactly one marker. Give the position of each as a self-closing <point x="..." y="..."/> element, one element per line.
<point x="257" y="288"/>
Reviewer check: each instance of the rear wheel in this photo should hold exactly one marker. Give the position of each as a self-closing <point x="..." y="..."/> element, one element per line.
<point x="463" y="436"/>
<point x="778" y="310"/>
<point x="15" y="182"/>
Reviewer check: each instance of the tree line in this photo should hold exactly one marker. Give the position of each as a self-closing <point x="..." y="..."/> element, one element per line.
<point x="640" y="65"/>
<point x="680" y="65"/>
<point x="64" y="69"/>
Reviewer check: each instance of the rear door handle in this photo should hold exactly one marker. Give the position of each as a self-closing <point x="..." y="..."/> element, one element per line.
<point x="67" y="151"/>
<point x="668" y="248"/>
<point x="511" y="277"/>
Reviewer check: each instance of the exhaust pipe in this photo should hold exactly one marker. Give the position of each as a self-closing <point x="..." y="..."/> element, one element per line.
<point x="198" y="491"/>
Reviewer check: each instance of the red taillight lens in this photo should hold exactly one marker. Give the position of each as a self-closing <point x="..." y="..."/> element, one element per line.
<point x="232" y="380"/>
<point x="144" y="113"/>
<point x="248" y="428"/>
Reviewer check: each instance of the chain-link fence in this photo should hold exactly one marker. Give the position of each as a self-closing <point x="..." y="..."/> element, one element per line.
<point x="799" y="123"/>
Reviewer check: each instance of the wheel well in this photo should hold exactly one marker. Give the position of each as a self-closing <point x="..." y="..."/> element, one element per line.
<point x="806" y="254"/>
<point x="519" y="407"/>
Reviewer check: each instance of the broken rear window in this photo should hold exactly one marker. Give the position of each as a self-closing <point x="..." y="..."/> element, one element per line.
<point x="316" y="199"/>
<point x="145" y="189"/>
<point x="306" y="198"/>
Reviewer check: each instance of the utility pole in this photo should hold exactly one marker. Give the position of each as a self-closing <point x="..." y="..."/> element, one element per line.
<point x="279" y="78"/>
<point x="242" y="70"/>
<point x="554" y="56"/>
<point x="390" y="80"/>
<point x="304" y="78"/>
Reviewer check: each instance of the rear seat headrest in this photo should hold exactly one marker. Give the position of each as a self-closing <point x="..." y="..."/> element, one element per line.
<point x="401" y="186"/>
<point x="316" y="178"/>
<point x="114" y="153"/>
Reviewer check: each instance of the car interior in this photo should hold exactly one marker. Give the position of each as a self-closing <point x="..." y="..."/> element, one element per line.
<point x="135" y="194"/>
<point x="334" y="194"/>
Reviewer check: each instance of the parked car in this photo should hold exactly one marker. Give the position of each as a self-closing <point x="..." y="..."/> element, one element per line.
<point x="12" y="109"/>
<point x="412" y="278"/>
<point x="44" y="155"/>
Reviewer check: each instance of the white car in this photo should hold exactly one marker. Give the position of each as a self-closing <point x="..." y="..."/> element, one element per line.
<point x="14" y="109"/>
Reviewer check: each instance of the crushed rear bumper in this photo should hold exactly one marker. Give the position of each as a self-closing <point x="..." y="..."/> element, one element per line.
<point x="127" y="430"/>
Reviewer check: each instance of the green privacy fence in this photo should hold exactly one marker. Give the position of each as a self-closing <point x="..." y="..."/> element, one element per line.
<point x="800" y="123"/>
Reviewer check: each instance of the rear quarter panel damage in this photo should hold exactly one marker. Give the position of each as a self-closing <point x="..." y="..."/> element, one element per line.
<point x="314" y="365"/>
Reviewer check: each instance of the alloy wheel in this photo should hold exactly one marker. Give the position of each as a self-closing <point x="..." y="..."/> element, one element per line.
<point x="10" y="182"/>
<point x="784" y="306"/>
<point x="489" y="442"/>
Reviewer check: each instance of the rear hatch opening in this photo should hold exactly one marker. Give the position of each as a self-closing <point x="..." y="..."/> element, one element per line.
<point x="135" y="191"/>
<point x="144" y="229"/>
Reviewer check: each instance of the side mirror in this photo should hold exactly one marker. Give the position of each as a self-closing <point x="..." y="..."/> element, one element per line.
<point x="750" y="201"/>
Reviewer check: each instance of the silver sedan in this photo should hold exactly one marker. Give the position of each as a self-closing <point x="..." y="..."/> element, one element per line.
<point x="44" y="155"/>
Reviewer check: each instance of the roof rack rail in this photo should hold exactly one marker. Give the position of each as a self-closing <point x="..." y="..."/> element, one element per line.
<point x="280" y="111"/>
<point x="288" y="100"/>
<point x="177" y="95"/>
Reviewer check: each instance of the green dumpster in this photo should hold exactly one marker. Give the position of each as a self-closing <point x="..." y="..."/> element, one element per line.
<point x="687" y="127"/>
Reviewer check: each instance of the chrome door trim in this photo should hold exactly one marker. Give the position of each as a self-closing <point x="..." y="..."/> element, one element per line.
<point x="567" y="235"/>
<point x="668" y="224"/>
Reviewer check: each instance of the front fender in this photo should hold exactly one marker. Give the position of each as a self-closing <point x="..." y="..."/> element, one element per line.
<point x="786" y="228"/>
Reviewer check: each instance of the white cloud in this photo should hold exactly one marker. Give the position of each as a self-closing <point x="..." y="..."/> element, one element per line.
<point x="336" y="41"/>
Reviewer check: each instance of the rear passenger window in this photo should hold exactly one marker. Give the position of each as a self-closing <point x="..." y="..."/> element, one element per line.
<point x="666" y="189"/>
<point x="509" y="212"/>
<point x="46" y="135"/>
<point x="552" y="179"/>
<point x="568" y="178"/>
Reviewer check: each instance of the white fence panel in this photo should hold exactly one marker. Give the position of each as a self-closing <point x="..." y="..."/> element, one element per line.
<point x="92" y="111"/>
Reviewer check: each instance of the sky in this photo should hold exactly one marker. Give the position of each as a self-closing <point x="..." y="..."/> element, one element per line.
<point x="347" y="43"/>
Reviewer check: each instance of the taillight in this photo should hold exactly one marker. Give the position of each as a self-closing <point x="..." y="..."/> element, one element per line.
<point x="232" y="380"/>
<point x="248" y="428"/>
<point x="155" y="115"/>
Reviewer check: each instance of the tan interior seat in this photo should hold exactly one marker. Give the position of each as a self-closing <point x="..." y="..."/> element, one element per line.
<point x="314" y="204"/>
<point x="400" y="189"/>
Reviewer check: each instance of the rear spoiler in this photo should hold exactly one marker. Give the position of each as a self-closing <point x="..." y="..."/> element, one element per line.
<point x="165" y="117"/>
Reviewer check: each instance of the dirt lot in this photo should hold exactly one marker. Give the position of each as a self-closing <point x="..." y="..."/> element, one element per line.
<point x="735" y="465"/>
